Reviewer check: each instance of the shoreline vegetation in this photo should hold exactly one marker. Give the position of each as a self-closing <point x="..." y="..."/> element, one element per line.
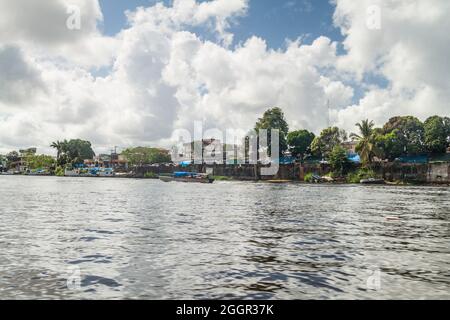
<point x="331" y="157"/>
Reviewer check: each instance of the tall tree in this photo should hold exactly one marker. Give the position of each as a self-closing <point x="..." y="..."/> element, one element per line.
<point x="78" y="150"/>
<point x="366" y="141"/>
<point x="409" y="132"/>
<point x="437" y="132"/>
<point x="273" y="119"/>
<point x="58" y="145"/>
<point x="13" y="156"/>
<point x="328" y="139"/>
<point x="338" y="159"/>
<point x="73" y="152"/>
<point x="388" y="146"/>
<point x="3" y="162"/>
<point x="143" y="156"/>
<point x="300" y="142"/>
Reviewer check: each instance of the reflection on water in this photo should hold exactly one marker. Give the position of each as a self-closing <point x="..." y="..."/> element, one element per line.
<point x="144" y="239"/>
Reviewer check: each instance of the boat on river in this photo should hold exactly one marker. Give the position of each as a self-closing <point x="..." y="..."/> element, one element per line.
<point x="279" y="181"/>
<point x="372" y="181"/>
<point x="10" y="173"/>
<point x="187" y="177"/>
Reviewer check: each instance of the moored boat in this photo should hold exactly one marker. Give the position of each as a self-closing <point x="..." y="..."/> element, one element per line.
<point x="187" y="177"/>
<point x="279" y="181"/>
<point x="372" y="181"/>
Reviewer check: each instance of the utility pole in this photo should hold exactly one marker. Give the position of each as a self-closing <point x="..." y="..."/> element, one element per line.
<point x="328" y="114"/>
<point x="113" y="164"/>
<point x="111" y="158"/>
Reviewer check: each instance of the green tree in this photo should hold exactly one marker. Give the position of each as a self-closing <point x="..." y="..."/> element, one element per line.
<point x="60" y="147"/>
<point x="273" y="119"/>
<point x="26" y="152"/>
<point x="3" y="162"/>
<point x="73" y="152"/>
<point x="328" y="139"/>
<point x="409" y="132"/>
<point x="437" y="132"/>
<point x="39" y="161"/>
<point x="143" y="156"/>
<point x="13" y="156"/>
<point x="338" y="160"/>
<point x="300" y="142"/>
<point x="388" y="146"/>
<point x="366" y="141"/>
<point x="79" y="150"/>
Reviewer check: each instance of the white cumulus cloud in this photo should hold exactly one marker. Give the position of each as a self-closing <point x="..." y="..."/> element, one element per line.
<point x="161" y="75"/>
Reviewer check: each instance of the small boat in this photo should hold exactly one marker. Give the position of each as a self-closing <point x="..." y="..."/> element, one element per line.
<point x="372" y="181"/>
<point x="187" y="177"/>
<point x="279" y="181"/>
<point x="106" y="172"/>
<point x="10" y="173"/>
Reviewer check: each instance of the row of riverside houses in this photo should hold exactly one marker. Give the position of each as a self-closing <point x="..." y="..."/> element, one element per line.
<point x="28" y="162"/>
<point x="213" y="151"/>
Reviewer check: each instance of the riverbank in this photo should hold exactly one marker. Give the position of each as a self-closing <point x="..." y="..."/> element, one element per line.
<point x="392" y="173"/>
<point x="415" y="174"/>
<point x="252" y="181"/>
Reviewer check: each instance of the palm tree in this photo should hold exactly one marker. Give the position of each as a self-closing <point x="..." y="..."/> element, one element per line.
<point x="60" y="147"/>
<point x="365" y="138"/>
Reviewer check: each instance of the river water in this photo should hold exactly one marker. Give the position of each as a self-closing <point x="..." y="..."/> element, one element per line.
<point x="87" y="238"/>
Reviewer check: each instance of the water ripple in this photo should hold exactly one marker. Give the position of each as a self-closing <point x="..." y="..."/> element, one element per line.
<point x="144" y="239"/>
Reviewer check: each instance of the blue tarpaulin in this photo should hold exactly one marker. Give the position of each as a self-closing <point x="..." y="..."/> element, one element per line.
<point x="413" y="159"/>
<point x="354" y="158"/>
<point x="287" y="160"/>
<point x="185" y="163"/>
<point x="183" y="174"/>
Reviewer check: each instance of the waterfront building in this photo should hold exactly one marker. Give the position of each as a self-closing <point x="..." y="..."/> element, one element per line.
<point x="208" y="151"/>
<point x="350" y="146"/>
<point x="20" y="164"/>
<point x="113" y="160"/>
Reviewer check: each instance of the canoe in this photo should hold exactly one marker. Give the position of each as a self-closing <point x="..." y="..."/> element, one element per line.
<point x="372" y="181"/>
<point x="195" y="179"/>
<point x="166" y="178"/>
<point x="279" y="181"/>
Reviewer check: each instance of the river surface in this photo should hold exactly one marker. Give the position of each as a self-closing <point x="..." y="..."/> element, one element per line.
<point x="88" y="238"/>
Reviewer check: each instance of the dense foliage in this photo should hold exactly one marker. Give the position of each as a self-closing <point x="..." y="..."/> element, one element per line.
<point x="400" y="136"/>
<point x="72" y="152"/>
<point x="437" y="132"/>
<point x="143" y="156"/>
<point x="40" y="161"/>
<point x="273" y="119"/>
<point x="338" y="160"/>
<point x="300" y="142"/>
<point x="329" y="138"/>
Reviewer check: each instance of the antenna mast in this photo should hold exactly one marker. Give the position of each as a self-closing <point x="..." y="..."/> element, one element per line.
<point x="328" y="114"/>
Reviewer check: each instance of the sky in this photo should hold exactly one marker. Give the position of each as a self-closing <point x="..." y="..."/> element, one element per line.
<point x="273" y="20"/>
<point x="126" y="73"/>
